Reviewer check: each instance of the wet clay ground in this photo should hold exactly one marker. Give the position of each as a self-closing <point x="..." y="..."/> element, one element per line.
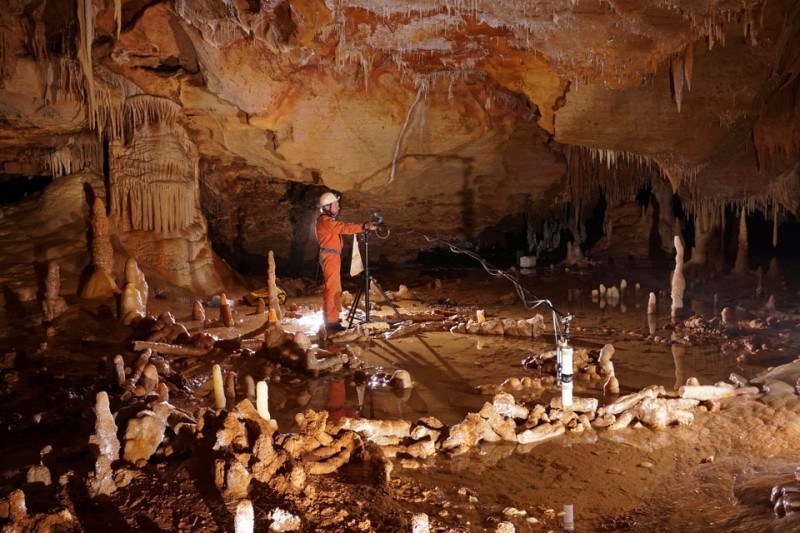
<point x="714" y="474"/>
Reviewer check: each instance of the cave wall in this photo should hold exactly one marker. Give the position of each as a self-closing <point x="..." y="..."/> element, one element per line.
<point x="450" y="118"/>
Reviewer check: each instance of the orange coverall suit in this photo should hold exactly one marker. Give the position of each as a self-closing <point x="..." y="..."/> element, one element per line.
<point x="329" y="237"/>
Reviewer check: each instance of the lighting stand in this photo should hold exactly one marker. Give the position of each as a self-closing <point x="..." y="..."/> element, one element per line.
<point x="363" y="289"/>
<point x="564" y="354"/>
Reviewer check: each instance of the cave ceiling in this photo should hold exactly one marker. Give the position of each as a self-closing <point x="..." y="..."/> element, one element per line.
<point x="455" y="112"/>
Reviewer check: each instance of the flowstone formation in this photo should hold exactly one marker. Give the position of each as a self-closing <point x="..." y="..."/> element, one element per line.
<point x="222" y="122"/>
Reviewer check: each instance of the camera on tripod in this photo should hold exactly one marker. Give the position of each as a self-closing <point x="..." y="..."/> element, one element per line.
<point x="377" y="219"/>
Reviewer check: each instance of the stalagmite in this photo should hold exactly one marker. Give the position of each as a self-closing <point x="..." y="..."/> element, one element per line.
<point x="678" y="280"/>
<point x="401" y="379"/>
<point x="219" y="392"/>
<point x="149" y="378"/>
<point x="611" y="386"/>
<point x="53" y="304"/>
<point x="119" y="369"/>
<point x="198" y="313"/>
<point x="244" y="522"/>
<point x="652" y="323"/>
<point x="262" y="400"/>
<point x="105" y="447"/>
<point x="131" y="305"/>
<point x="420" y="523"/>
<point x="101" y="283"/>
<point x="740" y="266"/>
<point x="136" y="277"/>
<point x="163" y="392"/>
<point x="272" y="287"/>
<point x="17" y="508"/>
<point x="652" y="308"/>
<point x="261" y="307"/>
<point x="170" y="349"/>
<point x="230" y="387"/>
<point x="250" y="388"/>
<point x="707" y="392"/>
<point x="225" y="314"/>
<point x="604" y="360"/>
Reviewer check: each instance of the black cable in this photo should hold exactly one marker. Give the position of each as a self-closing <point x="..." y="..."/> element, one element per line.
<point x="529" y="300"/>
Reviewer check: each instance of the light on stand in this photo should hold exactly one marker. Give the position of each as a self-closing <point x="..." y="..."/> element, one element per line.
<point x="564" y="352"/>
<point x="569" y="519"/>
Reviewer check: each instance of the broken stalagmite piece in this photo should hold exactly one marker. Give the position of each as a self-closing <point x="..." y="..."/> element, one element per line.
<point x="219" y="392"/>
<point x="225" y="314"/>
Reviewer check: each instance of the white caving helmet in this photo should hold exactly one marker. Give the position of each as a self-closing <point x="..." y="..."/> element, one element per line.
<point x="327" y="198"/>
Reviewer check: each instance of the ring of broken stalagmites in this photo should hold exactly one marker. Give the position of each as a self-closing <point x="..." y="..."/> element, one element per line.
<point x="506" y="420"/>
<point x="590" y="366"/>
<point x="165" y="336"/>
<point x="739" y="334"/>
<point x="525" y="328"/>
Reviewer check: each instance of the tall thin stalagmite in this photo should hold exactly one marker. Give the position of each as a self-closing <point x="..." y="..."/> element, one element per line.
<point x="273" y="287"/>
<point x="678" y="280"/>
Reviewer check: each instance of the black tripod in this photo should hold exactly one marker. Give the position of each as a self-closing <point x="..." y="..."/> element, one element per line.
<point x="363" y="288"/>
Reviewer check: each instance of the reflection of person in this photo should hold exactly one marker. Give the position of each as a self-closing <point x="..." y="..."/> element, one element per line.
<point x="337" y="396"/>
<point x="329" y="236"/>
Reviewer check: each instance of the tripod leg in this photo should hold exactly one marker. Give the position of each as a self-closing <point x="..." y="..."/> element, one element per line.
<point x="380" y="289"/>
<point x="352" y="312"/>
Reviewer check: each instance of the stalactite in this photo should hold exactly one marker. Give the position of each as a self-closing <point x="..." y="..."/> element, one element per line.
<point x="79" y="153"/>
<point x="38" y="37"/>
<point x="347" y="56"/>
<point x="688" y="65"/>
<point x="86" y="23"/>
<point x="142" y="109"/>
<point x="677" y="79"/>
<point x="118" y="15"/>
<point x="69" y="79"/>
<point x="217" y="31"/>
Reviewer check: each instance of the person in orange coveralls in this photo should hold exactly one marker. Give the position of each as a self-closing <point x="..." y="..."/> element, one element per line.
<point x="329" y="236"/>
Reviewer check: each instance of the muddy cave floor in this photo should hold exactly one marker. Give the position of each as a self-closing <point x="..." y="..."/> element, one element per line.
<point x="715" y="473"/>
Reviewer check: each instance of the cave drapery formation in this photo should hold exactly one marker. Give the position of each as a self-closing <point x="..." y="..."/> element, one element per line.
<point x="214" y="125"/>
